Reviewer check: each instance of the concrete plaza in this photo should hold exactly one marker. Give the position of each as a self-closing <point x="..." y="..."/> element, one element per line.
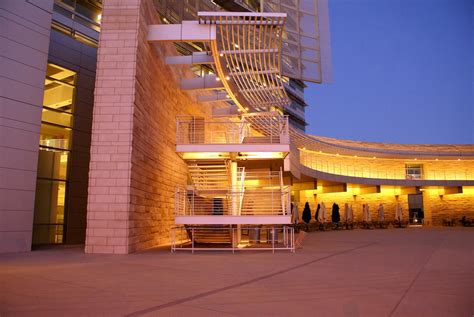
<point x="392" y="272"/>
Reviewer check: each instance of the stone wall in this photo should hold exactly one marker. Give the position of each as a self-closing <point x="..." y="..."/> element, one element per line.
<point x="452" y="206"/>
<point x="156" y="168"/>
<point x="436" y="207"/>
<point x="134" y="168"/>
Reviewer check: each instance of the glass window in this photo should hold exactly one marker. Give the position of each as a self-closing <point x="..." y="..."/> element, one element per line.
<point x="59" y="88"/>
<point x="49" y="212"/>
<point x="309" y="54"/>
<point x="55" y="137"/>
<point x="308" y="6"/>
<point x="57" y="117"/>
<point x="310" y="70"/>
<point x="414" y="171"/>
<point x="52" y="164"/>
<point x="307" y="24"/>
<point x="54" y="153"/>
<point x="308" y="42"/>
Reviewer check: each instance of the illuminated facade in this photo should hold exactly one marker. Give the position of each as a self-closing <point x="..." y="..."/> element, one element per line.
<point x="196" y="135"/>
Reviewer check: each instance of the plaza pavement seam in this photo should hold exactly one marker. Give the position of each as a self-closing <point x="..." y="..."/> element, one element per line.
<point x="236" y="285"/>
<point x="416" y="276"/>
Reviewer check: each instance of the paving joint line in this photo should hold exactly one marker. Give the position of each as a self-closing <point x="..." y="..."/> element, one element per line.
<point x="416" y="277"/>
<point x="236" y="285"/>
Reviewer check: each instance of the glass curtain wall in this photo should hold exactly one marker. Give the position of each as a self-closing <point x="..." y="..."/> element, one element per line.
<point x="54" y="154"/>
<point x="80" y="19"/>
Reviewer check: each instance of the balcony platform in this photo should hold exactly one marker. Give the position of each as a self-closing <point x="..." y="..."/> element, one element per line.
<point x="233" y="220"/>
<point x="248" y="151"/>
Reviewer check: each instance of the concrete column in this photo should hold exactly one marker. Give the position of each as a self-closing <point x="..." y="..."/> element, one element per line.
<point x="134" y="167"/>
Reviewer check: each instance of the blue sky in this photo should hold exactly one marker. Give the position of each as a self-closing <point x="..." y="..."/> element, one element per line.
<point x="403" y="72"/>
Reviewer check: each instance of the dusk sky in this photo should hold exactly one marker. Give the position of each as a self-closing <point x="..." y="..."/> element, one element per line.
<point x="403" y="73"/>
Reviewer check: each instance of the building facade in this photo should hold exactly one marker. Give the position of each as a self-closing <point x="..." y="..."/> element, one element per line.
<point x="123" y="134"/>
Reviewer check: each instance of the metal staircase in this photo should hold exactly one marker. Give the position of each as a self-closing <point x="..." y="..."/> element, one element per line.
<point x="209" y="177"/>
<point x="217" y="234"/>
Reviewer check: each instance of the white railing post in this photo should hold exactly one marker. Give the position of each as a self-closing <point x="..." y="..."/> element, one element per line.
<point x="192" y="240"/>
<point x="273" y="239"/>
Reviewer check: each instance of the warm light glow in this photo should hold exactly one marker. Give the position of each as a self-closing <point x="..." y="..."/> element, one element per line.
<point x="252" y="182"/>
<point x="469" y="190"/>
<point x="262" y="155"/>
<point x="218" y="79"/>
<point x="227" y="78"/>
<point x="236" y="45"/>
<point x="204" y="155"/>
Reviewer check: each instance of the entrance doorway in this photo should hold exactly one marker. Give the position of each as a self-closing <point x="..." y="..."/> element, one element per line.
<point x="415" y="209"/>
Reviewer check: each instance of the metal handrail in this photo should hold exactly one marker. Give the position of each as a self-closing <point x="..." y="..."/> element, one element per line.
<point x="252" y="201"/>
<point x="232" y="238"/>
<point x="262" y="128"/>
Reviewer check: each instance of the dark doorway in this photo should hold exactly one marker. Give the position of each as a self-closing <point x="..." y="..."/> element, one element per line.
<point x="415" y="209"/>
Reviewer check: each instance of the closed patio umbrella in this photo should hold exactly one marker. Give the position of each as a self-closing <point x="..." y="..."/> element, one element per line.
<point x="295" y="215"/>
<point x="335" y="215"/>
<point x="306" y="213"/>
<point x="351" y="213"/>
<point x="323" y="213"/>
<point x="368" y="217"/>
<point x="346" y="212"/>
<point x="381" y="213"/>
<point x="398" y="212"/>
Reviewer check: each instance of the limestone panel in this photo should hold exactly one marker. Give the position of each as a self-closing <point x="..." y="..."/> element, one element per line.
<point x="24" y="40"/>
